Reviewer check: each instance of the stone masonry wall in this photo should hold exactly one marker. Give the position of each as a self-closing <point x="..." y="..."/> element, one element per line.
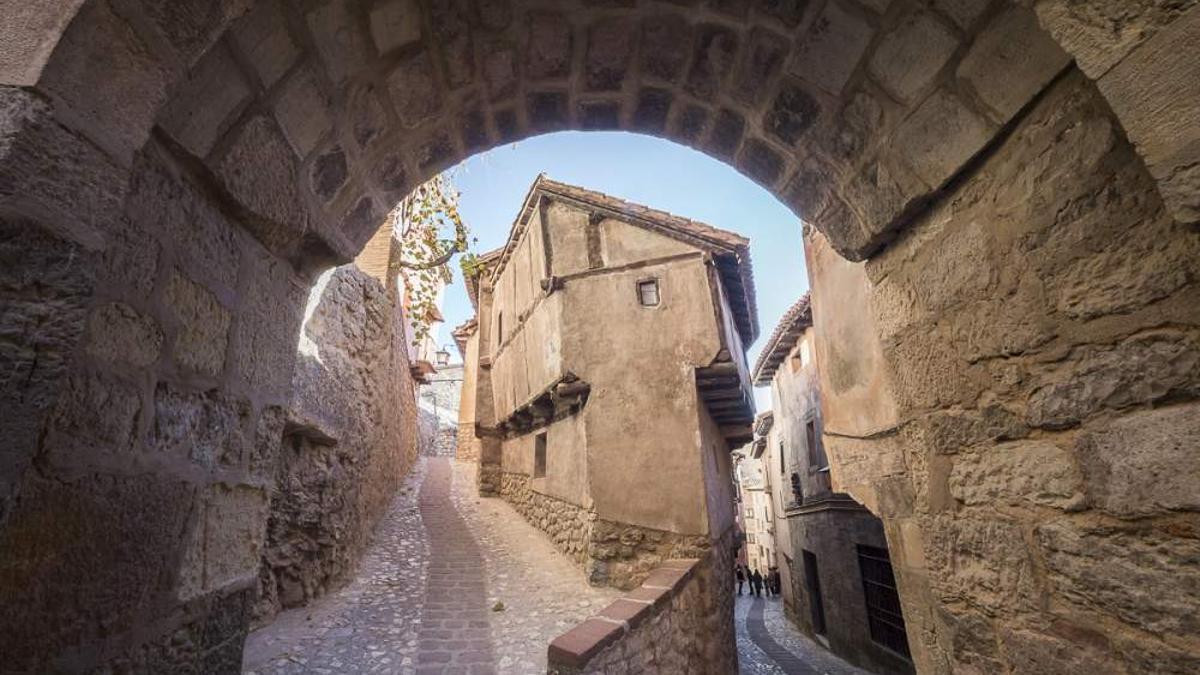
<point x="680" y="620"/>
<point x="614" y="554"/>
<point x="466" y="446"/>
<point x="350" y="439"/>
<point x="1039" y="482"/>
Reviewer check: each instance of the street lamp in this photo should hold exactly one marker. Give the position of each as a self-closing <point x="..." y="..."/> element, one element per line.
<point x="443" y="356"/>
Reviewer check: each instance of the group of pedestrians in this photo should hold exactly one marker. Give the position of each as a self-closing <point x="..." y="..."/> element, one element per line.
<point x="759" y="583"/>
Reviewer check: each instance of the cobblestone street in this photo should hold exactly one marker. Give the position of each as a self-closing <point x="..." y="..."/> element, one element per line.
<point x="458" y="584"/>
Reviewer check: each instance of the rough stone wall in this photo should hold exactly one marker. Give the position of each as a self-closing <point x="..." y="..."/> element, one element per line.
<point x="133" y="523"/>
<point x="680" y="620"/>
<point x="348" y="442"/>
<point x="1041" y="340"/>
<point x="466" y="445"/>
<point x="439" y="403"/>
<point x="614" y="554"/>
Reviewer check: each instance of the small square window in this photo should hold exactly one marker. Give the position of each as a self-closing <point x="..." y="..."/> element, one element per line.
<point x="648" y="292"/>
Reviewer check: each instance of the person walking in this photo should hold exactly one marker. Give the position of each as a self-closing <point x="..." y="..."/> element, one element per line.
<point x="776" y="582"/>
<point x="739" y="574"/>
<point x="756" y="583"/>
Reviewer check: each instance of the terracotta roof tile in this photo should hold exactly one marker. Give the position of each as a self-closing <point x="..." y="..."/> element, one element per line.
<point x="795" y="320"/>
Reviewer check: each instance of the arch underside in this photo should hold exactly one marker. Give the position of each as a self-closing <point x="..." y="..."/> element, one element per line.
<point x="196" y="163"/>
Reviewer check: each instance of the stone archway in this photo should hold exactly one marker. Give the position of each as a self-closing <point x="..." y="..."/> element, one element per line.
<point x="171" y="177"/>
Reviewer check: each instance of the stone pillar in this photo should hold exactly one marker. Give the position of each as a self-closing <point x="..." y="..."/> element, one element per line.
<point x="485" y="409"/>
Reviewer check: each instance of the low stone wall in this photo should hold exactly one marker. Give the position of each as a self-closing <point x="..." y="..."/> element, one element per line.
<point x="349" y="440"/>
<point x="615" y="554"/>
<point x="568" y="525"/>
<point x="663" y="626"/>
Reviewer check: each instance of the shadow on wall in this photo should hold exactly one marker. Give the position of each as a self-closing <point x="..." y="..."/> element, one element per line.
<point x="349" y="439"/>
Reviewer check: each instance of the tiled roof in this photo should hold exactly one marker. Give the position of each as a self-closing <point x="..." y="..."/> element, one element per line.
<point x="782" y="340"/>
<point x="730" y="251"/>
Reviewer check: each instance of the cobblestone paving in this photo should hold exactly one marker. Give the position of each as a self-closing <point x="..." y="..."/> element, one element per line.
<point x="454" y="635"/>
<point x="768" y="644"/>
<point x="543" y="592"/>
<point x="453" y="583"/>
<point x="370" y="626"/>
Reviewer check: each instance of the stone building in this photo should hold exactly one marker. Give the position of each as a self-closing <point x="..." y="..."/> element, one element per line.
<point x="1007" y="189"/>
<point x="612" y="383"/>
<point x="756" y="517"/>
<point x="832" y="555"/>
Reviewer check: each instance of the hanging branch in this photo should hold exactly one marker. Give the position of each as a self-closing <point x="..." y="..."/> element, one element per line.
<point x="430" y="233"/>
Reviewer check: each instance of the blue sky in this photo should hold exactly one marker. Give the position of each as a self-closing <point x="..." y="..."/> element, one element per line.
<point x="642" y="169"/>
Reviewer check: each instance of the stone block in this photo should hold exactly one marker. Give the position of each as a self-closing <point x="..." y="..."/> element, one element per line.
<point x="119" y="334"/>
<point x="45" y="289"/>
<point x="224" y="541"/>
<point x="666" y="45"/>
<point x="761" y="162"/>
<point x="364" y="217"/>
<point x="713" y="52"/>
<point x="547" y="110"/>
<point x="726" y="134"/>
<point x="96" y="415"/>
<point x="263" y="38"/>
<point x="1048" y="653"/>
<point x="191" y="27"/>
<point x="791" y="114"/>
<point x="366" y="116"/>
<point x="473" y="125"/>
<point x="343" y="46"/>
<point x="1011" y="60"/>
<point x="302" y="109"/>
<point x="882" y="191"/>
<point x="1141" y="370"/>
<point x="909" y="57"/>
<point x="508" y="125"/>
<point x="85" y="196"/>
<point x="765" y="54"/>
<point x="983" y="562"/>
<point x="609" y="48"/>
<point x="831" y="48"/>
<point x="164" y="204"/>
<point x="204" y="102"/>
<point x="689" y="123"/>
<point x="414" y="90"/>
<point x="549" y="46"/>
<point x="83" y="554"/>
<point x="499" y="66"/>
<point x="106" y="79"/>
<point x="268" y="326"/>
<point x="962" y="12"/>
<point x="653" y="106"/>
<point x="1120" y="572"/>
<point x="1099" y="34"/>
<point x="202" y="331"/>
<point x="940" y="137"/>
<point x="1155" y="93"/>
<point x="1036" y="472"/>
<point x="599" y="115"/>
<point x="208" y="428"/>
<point x="451" y="23"/>
<point x="1144" y="463"/>
<point x="395" y="23"/>
<point x="328" y="173"/>
<point x="260" y="171"/>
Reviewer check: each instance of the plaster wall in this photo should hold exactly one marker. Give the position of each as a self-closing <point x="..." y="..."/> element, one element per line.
<point x="467" y="448"/>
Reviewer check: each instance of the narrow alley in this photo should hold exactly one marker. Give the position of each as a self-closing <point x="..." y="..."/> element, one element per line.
<point x="456" y="583"/>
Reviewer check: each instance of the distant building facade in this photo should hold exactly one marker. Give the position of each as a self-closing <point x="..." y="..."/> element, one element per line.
<point x="611" y="380"/>
<point x="438" y="410"/>
<point x="831" y="552"/>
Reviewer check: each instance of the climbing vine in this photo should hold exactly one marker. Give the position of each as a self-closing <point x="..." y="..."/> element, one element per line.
<point x="430" y="232"/>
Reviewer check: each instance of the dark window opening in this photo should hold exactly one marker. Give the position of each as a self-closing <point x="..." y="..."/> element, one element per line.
<point x="884" y="615"/>
<point x="539" y="456"/>
<point x="797" y="490"/>
<point x="782" y="460"/>
<point x="816" y="450"/>
<point x="812" y="581"/>
<point x="499" y="327"/>
<point x="648" y="292"/>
